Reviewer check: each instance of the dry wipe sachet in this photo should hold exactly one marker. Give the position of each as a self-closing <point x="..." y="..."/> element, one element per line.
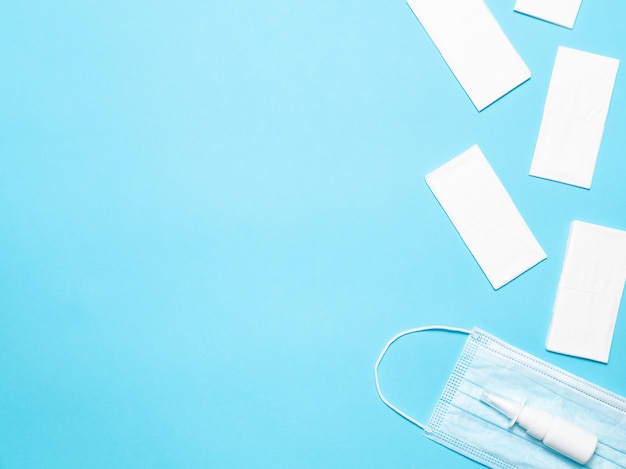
<point x="474" y="46"/>
<point x="483" y="213"/>
<point x="589" y="292"/>
<point x="574" y="115"/>
<point x="561" y="12"/>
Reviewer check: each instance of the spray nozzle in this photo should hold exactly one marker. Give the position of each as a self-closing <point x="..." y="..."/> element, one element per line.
<point x="503" y="405"/>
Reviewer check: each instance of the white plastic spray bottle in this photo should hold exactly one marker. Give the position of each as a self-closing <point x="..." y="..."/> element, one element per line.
<point x="557" y="433"/>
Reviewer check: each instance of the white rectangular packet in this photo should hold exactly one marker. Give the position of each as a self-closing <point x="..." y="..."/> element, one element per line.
<point x="561" y="12"/>
<point x="589" y="293"/>
<point x="483" y="213"/>
<point x="474" y="46"/>
<point x="574" y="116"/>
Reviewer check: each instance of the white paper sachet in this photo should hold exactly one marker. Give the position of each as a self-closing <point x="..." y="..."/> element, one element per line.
<point x="474" y="46"/>
<point x="561" y="12"/>
<point x="589" y="292"/>
<point x="574" y="116"/>
<point x="483" y="213"/>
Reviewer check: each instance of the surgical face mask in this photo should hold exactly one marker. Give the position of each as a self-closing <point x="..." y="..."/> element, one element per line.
<point x="464" y="423"/>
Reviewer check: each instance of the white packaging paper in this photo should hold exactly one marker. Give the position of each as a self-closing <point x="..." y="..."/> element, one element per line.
<point x="574" y="116"/>
<point x="474" y="46"/>
<point x="485" y="216"/>
<point x="589" y="292"/>
<point x="561" y="12"/>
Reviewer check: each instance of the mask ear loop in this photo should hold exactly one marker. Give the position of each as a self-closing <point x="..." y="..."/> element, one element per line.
<point x="384" y="351"/>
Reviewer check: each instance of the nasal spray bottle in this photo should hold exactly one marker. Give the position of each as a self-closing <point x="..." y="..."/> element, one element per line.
<point x="557" y="433"/>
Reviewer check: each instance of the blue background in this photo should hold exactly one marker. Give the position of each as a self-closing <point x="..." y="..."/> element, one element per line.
<point x="213" y="216"/>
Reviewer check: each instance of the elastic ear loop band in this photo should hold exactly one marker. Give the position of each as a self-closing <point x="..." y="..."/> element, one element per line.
<point x="386" y="348"/>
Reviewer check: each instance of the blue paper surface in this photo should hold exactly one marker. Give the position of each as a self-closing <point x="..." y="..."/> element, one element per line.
<point x="214" y="215"/>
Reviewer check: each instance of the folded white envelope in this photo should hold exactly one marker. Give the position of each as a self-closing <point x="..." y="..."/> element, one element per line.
<point x="485" y="216"/>
<point x="561" y="12"/>
<point x="474" y="46"/>
<point x="574" y="116"/>
<point x="589" y="292"/>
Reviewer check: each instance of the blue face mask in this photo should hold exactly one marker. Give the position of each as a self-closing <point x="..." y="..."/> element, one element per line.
<point x="464" y="423"/>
